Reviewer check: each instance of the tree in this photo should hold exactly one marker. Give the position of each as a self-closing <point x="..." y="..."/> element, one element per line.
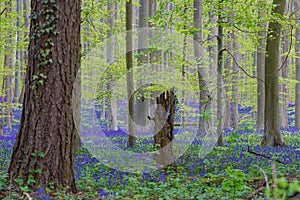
<point x="164" y="126"/>
<point x="285" y="61"/>
<point x="261" y="72"/>
<point x="297" y="50"/>
<point x="129" y="77"/>
<point x="142" y="103"/>
<point x="8" y="65"/>
<point x="220" y="79"/>
<point x="202" y="72"/>
<point x="44" y="148"/>
<point x="112" y="122"/>
<point x="272" y="134"/>
<point x="235" y="78"/>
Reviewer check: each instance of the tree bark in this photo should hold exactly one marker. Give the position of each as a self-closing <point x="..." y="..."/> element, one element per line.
<point x="272" y="135"/>
<point x="297" y="50"/>
<point x="112" y="122"/>
<point x="220" y="79"/>
<point x="18" y="56"/>
<point x="227" y="69"/>
<point x="261" y="73"/>
<point x="129" y="66"/>
<point x="204" y="101"/>
<point x="142" y="104"/>
<point x="283" y="115"/>
<point x="213" y="55"/>
<point x="284" y="90"/>
<point x="164" y="125"/>
<point x="26" y="9"/>
<point x="235" y="84"/>
<point x="46" y="137"/>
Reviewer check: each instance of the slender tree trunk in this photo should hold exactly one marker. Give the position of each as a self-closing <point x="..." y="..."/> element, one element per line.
<point x="220" y="79"/>
<point x="18" y="55"/>
<point x="102" y="100"/>
<point x="184" y="71"/>
<point x="227" y="69"/>
<point x="235" y="80"/>
<point x="47" y="132"/>
<point x="204" y="101"/>
<point x="26" y="10"/>
<point x="9" y="63"/>
<point x="283" y="119"/>
<point x="213" y="56"/>
<point x="297" y="50"/>
<point x="112" y="122"/>
<point x="142" y="104"/>
<point x="129" y="66"/>
<point x="261" y="73"/>
<point x="153" y="57"/>
<point x="272" y="135"/>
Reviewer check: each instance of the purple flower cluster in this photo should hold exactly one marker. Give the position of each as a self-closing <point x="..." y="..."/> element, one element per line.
<point x="40" y="194"/>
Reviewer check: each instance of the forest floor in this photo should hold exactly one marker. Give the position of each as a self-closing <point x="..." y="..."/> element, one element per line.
<point x="241" y="169"/>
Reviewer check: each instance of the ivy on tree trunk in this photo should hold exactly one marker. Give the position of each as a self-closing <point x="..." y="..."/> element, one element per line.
<point x="44" y="148"/>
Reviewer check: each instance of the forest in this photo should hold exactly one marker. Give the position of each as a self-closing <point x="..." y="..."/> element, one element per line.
<point x="150" y="99"/>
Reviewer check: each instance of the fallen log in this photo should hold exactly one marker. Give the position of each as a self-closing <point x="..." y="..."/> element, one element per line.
<point x="186" y="124"/>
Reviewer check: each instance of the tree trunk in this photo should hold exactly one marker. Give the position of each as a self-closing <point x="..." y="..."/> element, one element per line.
<point x="18" y="55"/>
<point x="227" y="69"/>
<point x="220" y="79"/>
<point x="213" y="55"/>
<point x="46" y="137"/>
<point x="112" y="122"/>
<point x="24" y="53"/>
<point x="8" y="80"/>
<point x="272" y="135"/>
<point x="204" y="101"/>
<point x="283" y="99"/>
<point x="129" y="76"/>
<point x="297" y="50"/>
<point x="164" y="125"/>
<point x="283" y="115"/>
<point x="261" y="74"/>
<point x="142" y="104"/>
<point x="235" y="80"/>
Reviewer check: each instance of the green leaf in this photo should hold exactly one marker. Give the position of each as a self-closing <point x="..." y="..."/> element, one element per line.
<point x="19" y="181"/>
<point x="41" y="154"/>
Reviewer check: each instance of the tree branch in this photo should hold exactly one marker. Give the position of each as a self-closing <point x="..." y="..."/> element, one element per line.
<point x="264" y="156"/>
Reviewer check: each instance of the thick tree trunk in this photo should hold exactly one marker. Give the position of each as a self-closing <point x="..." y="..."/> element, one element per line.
<point x="47" y="132"/>
<point x="272" y="135"/>
<point x="297" y="50"/>
<point x="164" y="125"/>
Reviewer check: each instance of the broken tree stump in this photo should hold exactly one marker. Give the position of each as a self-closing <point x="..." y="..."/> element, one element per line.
<point x="164" y="126"/>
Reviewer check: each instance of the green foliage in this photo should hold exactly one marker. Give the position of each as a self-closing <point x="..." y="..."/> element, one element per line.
<point x="235" y="184"/>
<point x="284" y="189"/>
<point x="3" y="179"/>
